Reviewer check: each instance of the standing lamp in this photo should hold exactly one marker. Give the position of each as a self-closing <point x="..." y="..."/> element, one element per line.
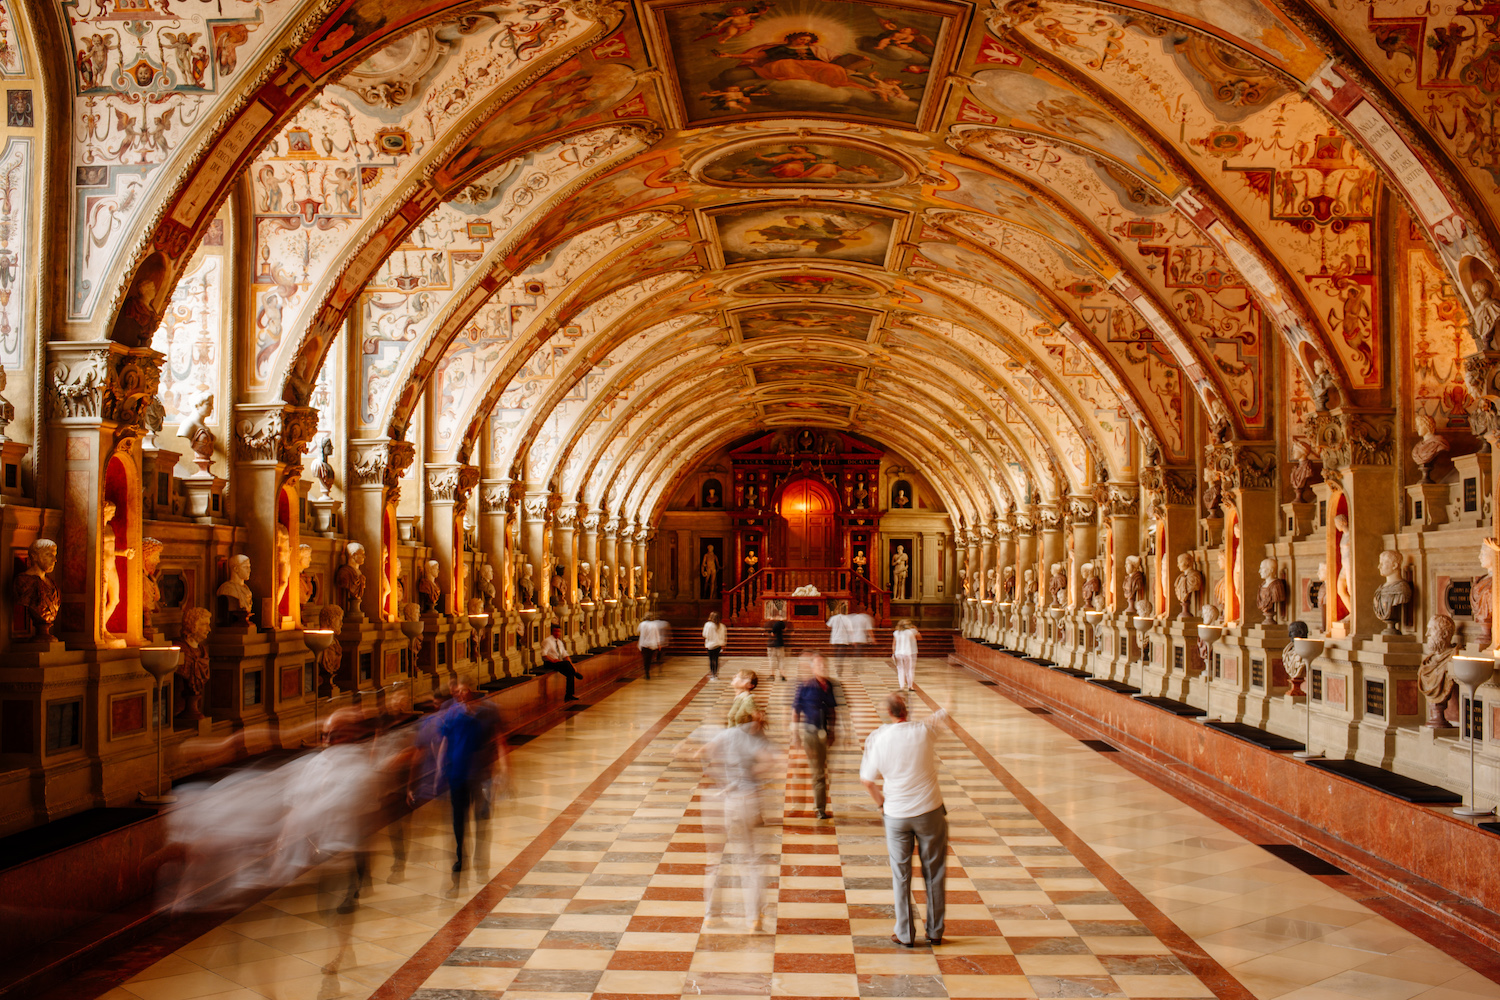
<point x="1472" y="671"/>
<point x="1309" y="650"/>
<point x="317" y="640"/>
<point x="478" y="623"/>
<point x="160" y="662"/>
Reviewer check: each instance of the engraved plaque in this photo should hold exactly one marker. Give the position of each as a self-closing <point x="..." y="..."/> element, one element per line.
<point x="1471" y="495"/>
<point x="1458" y="597"/>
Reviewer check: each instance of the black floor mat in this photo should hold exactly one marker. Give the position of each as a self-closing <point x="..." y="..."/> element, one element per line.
<point x="1039" y="661"/>
<point x="1168" y="705"/>
<point x="1072" y="672"/>
<point x="1261" y="738"/>
<point x="1304" y="861"/>
<point x="577" y="706"/>
<point x="1038" y="710"/>
<point x="989" y="684"/>
<point x="1490" y="828"/>
<point x="519" y="739"/>
<point x="1100" y="746"/>
<point x="1120" y="687"/>
<point x="69" y="831"/>
<point x="1404" y="788"/>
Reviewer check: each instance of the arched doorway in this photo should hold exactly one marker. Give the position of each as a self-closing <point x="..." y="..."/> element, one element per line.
<point x="809" y="512"/>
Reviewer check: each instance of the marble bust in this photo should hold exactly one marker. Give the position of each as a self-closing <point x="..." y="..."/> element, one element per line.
<point x="350" y="577"/>
<point x="235" y="599"/>
<point x="1133" y="589"/>
<point x="37" y="597"/>
<point x="1092" y="593"/>
<point x="193" y="671"/>
<point x="195" y="431"/>
<point x="1433" y="677"/>
<point x="1272" y="596"/>
<point x="429" y="594"/>
<point x="1188" y="585"/>
<point x="1393" y="593"/>
<point x="1430" y="447"/>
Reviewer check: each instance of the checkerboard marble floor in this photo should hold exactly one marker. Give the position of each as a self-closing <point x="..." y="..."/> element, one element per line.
<point x="1071" y="878"/>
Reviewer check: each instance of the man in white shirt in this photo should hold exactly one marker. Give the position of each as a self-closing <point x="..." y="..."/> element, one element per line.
<point x="653" y="640"/>
<point x="557" y="659"/>
<point x="840" y="634"/>
<point x="904" y="754"/>
<point x="861" y="629"/>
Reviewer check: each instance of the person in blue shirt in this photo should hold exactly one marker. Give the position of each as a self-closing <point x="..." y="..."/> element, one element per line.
<point x="468" y="750"/>
<point x="814" y="716"/>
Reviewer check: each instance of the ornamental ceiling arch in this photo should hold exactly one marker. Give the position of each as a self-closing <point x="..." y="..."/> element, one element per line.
<point x="1046" y="233"/>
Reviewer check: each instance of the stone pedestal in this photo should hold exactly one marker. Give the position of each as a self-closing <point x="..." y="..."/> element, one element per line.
<point x="326" y="513"/>
<point x="1469" y="499"/>
<point x="1298" y="520"/>
<point x="1427" y="505"/>
<point x="242" y="681"/>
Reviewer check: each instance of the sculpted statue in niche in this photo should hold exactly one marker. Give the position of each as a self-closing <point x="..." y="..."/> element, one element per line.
<point x="1057" y="587"/>
<point x="351" y="576"/>
<point x="1430" y="447"/>
<point x="1344" y="585"/>
<point x="331" y="617"/>
<point x="708" y="570"/>
<point x="283" y="564"/>
<point x="109" y="597"/>
<point x="235" y="599"/>
<point x="1133" y="588"/>
<point x="1392" y="596"/>
<point x="559" y="588"/>
<point x="1272" y="596"/>
<point x="1008" y="584"/>
<point x="36" y="595"/>
<point x="1092" y="593"/>
<point x="195" y="431"/>
<point x="1294" y="665"/>
<point x="989" y="584"/>
<point x="585" y="582"/>
<point x="429" y="594"/>
<point x="193" y="671"/>
<point x="411" y="611"/>
<point x="1188" y="585"/>
<point x="1304" y="473"/>
<point x="861" y="562"/>
<point x="307" y="581"/>
<point x="1481" y="596"/>
<point x="1028" y="582"/>
<point x="963" y="582"/>
<point x="900" y="564"/>
<point x="1222" y="589"/>
<point x="151" y="549"/>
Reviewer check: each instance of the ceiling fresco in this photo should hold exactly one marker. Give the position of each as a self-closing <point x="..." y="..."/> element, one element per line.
<point x="580" y="242"/>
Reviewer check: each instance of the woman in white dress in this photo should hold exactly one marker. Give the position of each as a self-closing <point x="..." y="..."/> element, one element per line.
<point x="904" y="651"/>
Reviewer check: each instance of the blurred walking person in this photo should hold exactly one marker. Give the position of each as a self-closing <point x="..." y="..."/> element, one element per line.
<point x="904" y="652"/>
<point x="468" y="755"/>
<point x="656" y="634"/>
<point x="740" y="759"/>
<point x="776" y="630"/>
<point x="861" y="630"/>
<point x="840" y="635"/>
<point x="715" y="637"/>
<point x="814" y="716"/>
<point x="744" y="707"/>
<point x="903" y="754"/>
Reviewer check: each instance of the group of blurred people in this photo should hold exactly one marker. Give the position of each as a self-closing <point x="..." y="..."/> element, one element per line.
<point x="898" y="769"/>
<point x="261" y="827"/>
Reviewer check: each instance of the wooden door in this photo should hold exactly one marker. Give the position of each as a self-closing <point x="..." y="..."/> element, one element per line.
<point x="809" y="510"/>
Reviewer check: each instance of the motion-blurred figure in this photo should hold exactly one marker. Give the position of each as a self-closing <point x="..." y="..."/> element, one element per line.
<point x="740" y="758"/>
<point x="469" y="755"/>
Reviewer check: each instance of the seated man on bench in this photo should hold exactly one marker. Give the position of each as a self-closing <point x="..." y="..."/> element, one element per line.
<point x="557" y="659"/>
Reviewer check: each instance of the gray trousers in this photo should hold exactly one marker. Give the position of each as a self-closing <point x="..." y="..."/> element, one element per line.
<point x="929" y="832"/>
<point x="815" y="744"/>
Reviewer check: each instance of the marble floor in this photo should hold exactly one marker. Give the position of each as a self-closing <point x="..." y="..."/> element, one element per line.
<point x="1071" y="877"/>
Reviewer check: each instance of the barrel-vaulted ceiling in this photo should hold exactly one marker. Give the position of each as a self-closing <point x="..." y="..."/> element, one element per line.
<point x="1022" y="244"/>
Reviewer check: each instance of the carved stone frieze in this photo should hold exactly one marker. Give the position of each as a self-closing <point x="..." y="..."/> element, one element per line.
<point x="1240" y="466"/>
<point x="1482" y="379"/>
<point x="1117" y="499"/>
<point x="102" y="383"/>
<point x="276" y="433"/>
<point x="382" y="463"/>
<point x="1049" y="517"/>
<point x="1345" y="438"/>
<point x="1081" y="509"/>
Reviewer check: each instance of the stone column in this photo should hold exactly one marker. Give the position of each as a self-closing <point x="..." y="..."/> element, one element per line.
<point x="375" y="489"/>
<point x="609" y="575"/>
<point x="1358" y="452"/>
<point x="537" y="509"/>
<point x="270" y="441"/>
<point x="1120" y="503"/>
<point x="96" y="395"/>
<point x="1082" y="519"/>
<point x="448" y="486"/>
<point x="1027" y="601"/>
<point x="587" y="580"/>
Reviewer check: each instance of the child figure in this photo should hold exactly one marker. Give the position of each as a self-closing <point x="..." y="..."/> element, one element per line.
<point x="744" y="708"/>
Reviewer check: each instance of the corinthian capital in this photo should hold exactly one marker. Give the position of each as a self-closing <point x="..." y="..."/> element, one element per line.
<point x="101" y="381"/>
